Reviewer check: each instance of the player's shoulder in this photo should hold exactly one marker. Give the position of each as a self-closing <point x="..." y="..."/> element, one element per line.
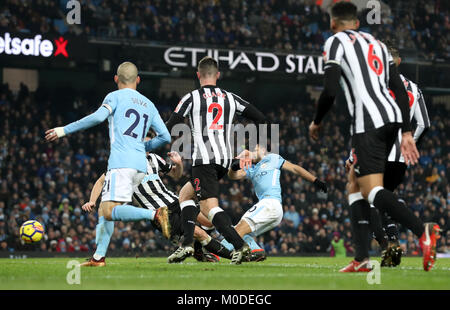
<point x="408" y="83"/>
<point x="338" y="37"/>
<point x="272" y="157"/>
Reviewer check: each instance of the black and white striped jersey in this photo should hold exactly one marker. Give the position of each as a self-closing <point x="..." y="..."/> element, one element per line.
<point x="211" y="112"/>
<point x="418" y="111"/>
<point x="364" y="62"/>
<point x="152" y="193"/>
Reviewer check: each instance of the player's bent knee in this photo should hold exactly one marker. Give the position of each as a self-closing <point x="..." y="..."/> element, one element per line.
<point x="186" y="192"/>
<point x="243" y="228"/>
<point x="200" y="234"/>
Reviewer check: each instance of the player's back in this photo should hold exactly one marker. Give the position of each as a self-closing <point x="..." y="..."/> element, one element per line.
<point x="365" y="62"/>
<point x="265" y="176"/>
<point x="130" y="119"/>
<point x="211" y="112"/>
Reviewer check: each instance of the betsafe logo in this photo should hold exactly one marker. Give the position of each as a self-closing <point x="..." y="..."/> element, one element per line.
<point x="36" y="46"/>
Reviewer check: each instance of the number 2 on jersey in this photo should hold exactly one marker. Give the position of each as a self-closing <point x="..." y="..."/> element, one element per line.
<point x="211" y="108"/>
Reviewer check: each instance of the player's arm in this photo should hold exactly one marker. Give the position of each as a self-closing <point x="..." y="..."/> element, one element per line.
<point x="304" y="174"/>
<point x="182" y="109"/>
<point x="86" y="122"/>
<point x="176" y="170"/>
<point x="408" y="145"/>
<point x="401" y="96"/>
<point x="162" y="134"/>
<point x="421" y="116"/>
<point x="235" y="172"/>
<point x="248" y="110"/>
<point x="333" y="53"/>
<point x="95" y="193"/>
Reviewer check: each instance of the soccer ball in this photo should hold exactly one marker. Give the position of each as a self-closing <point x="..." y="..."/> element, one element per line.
<point x="31" y="231"/>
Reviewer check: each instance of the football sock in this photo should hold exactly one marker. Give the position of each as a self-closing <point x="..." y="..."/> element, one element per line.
<point x="189" y="214"/>
<point x="390" y="227"/>
<point x="103" y="233"/>
<point x="377" y="228"/>
<point x="223" y="224"/>
<point x="251" y="242"/>
<point x="129" y="213"/>
<point x="217" y="248"/>
<point x="359" y="218"/>
<point x="197" y="246"/>
<point x="227" y="245"/>
<point x="386" y="201"/>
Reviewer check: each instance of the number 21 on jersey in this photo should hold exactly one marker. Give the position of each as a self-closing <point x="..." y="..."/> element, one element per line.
<point x="137" y="117"/>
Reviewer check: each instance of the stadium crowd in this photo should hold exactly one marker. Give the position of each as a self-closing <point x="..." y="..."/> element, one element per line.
<point x="281" y="25"/>
<point x="50" y="182"/>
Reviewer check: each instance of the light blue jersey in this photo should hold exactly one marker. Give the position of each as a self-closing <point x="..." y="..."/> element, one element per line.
<point x="130" y="116"/>
<point x="265" y="176"/>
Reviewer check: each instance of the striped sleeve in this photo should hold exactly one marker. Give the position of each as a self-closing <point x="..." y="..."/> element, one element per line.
<point x="421" y="117"/>
<point x="241" y="104"/>
<point x="163" y="165"/>
<point x="333" y="51"/>
<point x="184" y="106"/>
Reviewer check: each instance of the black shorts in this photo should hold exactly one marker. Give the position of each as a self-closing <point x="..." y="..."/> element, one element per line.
<point x="371" y="149"/>
<point x="394" y="175"/>
<point x="205" y="179"/>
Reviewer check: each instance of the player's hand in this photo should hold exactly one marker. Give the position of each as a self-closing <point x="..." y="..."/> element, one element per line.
<point x="314" y="131"/>
<point x="320" y="185"/>
<point x="245" y="159"/>
<point x="175" y="157"/>
<point x="348" y="165"/>
<point x="409" y="149"/>
<point x="88" y="206"/>
<point x="54" y="134"/>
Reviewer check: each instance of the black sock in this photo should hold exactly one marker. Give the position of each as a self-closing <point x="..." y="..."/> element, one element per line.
<point x="188" y="217"/>
<point x="360" y="216"/>
<point x="390" y="227"/>
<point x="377" y="228"/>
<point x="223" y="224"/>
<point x="197" y="246"/>
<point x="386" y="201"/>
<point x="217" y="248"/>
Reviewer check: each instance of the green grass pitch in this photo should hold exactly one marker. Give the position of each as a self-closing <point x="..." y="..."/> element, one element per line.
<point x="276" y="273"/>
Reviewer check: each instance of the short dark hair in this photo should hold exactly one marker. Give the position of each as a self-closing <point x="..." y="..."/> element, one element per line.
<point x="344" y="11"/>
<point x="392" y="47"/>
<point x="208" y="66"/>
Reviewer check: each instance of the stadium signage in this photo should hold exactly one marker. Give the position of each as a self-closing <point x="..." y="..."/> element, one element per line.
<point x="36" y="46"/>
<point x="178" y="56"/>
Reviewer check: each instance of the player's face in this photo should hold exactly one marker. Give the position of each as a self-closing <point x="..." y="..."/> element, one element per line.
<point x="260" y="152"/>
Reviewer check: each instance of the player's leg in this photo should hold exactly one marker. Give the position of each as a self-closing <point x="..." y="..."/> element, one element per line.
<point x="206" y="185"/>
<point x="393" y="177"/>
<point x="359" y="218"/>
<point x="118" y="193"/>
<point x="376" y="226"/>
<point x="103" y="233"/>
<point x="370" y="179"/>
<point x="262" y="217"/>
<point x="189" y="212"/>
<point x="210" y="244"/>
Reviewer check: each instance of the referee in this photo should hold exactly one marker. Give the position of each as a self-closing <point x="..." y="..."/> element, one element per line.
<point x="365" y="69"/>
<point x="211" y="111"/>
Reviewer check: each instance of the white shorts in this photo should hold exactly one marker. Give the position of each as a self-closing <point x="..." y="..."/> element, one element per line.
<point x="120" y="184"/>
<point x="264" y="216"/>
